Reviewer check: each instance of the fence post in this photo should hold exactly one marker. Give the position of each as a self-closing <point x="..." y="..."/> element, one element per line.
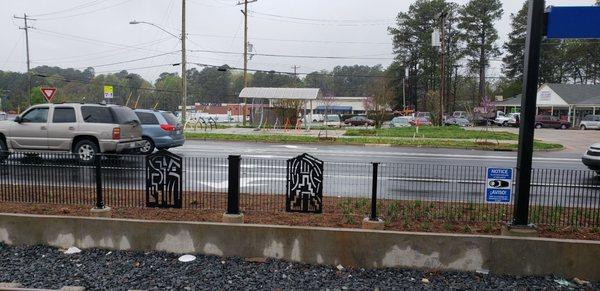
<point x="373" y="222"/>
<point x="233" y="214"/>
<point x="374" y="193"/>
<point x="100" y="210"/>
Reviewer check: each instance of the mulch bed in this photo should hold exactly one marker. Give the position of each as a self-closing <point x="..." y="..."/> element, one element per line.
<point x="337" y="218"/>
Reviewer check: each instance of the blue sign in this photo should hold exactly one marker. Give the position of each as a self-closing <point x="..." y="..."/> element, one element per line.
<point x="573" y="22"/>
<point x="498" y="188"/>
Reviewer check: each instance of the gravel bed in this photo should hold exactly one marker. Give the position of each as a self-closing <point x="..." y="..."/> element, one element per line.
<point x="95" y="269"/>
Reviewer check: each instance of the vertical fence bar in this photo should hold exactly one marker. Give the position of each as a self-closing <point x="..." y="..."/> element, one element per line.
<point x="233" y="188"/>
<point x="99" y="196"/>
<point x="374" y="193"/>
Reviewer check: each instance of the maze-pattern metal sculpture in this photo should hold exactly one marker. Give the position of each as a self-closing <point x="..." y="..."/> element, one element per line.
<point x="164" y="179"/>
<point x="304" y="185"/>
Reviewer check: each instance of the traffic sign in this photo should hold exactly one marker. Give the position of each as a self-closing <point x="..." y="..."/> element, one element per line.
<point x="108" y="92"/>
<point x="498" y="188"/>
<point x="48" y="93"/>
<point x="575" y="22"/>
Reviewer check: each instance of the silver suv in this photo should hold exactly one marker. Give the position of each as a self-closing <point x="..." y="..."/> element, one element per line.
<point x="83" y="129"/>
<point x="590" y="122"/>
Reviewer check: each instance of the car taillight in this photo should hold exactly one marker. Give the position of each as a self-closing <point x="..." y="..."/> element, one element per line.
<point x="167" y="127"/>
<point x="116" y="133"/>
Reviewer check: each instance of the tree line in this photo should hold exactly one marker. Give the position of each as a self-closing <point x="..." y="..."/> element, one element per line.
<point x="208" y="85"/>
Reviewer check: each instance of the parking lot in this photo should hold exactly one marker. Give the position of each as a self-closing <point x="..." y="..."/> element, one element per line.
<point x="574" y="141"/>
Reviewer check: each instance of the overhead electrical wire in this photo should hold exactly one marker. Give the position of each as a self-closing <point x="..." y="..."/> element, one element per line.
<point x="90" y="40"/>
<point x="367" y="57"/>
<point x="87" y="12"/>
<point x="76" y="7"/>
<point x="129" y="61"/>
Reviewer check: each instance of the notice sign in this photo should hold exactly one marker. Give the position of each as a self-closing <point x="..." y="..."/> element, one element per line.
<point x="498" y="186"/>
<point x="108" y="92"/>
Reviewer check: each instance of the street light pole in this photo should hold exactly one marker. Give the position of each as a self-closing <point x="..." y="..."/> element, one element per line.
<point x="183" y="58"/>
<point x="183" y="66"/>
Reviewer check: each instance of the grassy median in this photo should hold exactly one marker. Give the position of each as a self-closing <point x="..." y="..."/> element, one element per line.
<point x="448" y="132"/>
<point x="366" y="140"/>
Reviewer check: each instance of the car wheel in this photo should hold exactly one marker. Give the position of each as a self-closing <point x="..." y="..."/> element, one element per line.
<point x="3" y="151"/>
<point x="505" y="124"/>
<point x="563" y="126"/>
<point x="147" y="146"/>
<point x="538" y="126"/>
<point x="582" y="127"/>
<point x="85" y="151"/>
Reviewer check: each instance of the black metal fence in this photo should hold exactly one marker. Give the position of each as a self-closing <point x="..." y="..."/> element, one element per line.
<point x="426" y="192"/>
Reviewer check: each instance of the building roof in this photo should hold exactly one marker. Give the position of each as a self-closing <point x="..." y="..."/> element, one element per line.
<point x="281" y="93"/>
<point x="577" y="94"/>
<point x="512" y="101"/>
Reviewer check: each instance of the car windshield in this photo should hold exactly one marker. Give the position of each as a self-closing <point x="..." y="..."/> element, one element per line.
<point x="332" y="118"/>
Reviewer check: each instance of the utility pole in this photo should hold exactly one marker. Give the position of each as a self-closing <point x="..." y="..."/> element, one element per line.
<point x="295" y="69"/>
<point x="183" y="66"/>
<point x="443" y="16"/>
<point x="26" y="28"/>
<point x="245" y="12"/>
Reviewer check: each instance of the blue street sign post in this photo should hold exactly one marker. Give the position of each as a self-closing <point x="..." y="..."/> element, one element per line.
<point x="554" y="23"/>
<point x="498" y="187"/>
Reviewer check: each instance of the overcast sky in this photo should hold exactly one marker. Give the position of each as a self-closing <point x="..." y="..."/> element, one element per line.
<point x="97" y="33"/>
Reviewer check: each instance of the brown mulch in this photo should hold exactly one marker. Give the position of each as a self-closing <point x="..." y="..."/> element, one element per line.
<point x="328" y="219"/>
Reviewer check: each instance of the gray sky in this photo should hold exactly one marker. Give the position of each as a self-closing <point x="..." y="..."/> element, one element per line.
<point x="82" y="33"/>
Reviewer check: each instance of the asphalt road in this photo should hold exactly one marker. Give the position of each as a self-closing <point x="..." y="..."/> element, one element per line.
<point x="404" y="173"/>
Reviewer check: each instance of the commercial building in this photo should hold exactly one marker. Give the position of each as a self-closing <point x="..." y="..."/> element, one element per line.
<point x="567" y="101"/>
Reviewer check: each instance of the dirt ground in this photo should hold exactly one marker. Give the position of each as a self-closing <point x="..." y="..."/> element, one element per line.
<point x="339" y="220"/>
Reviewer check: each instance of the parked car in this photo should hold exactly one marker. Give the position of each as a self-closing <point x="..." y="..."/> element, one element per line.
<point x="592" y="158"/>
<point x="313" y="118"/>
<point x="423" y="115"/>
<point x="398" y="122"/>
<point x="460" y="114"/>
<point x="459" y="121"/>
<point x="83" y="129"/>
<point x="359" y="121"/>
<point x="590" y="122"/>
<point x="506" y="119"/>
<point x="332" y="121"/>
<point x="160" y="130"/>
<point x="421" y="121"/>
<point x="548" y="121"/>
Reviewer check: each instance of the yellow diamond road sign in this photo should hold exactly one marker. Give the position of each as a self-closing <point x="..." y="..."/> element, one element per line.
<point x="108" y="92"/>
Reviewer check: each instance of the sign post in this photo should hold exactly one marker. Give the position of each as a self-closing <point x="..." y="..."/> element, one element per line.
<point x="556" y="23"/>
<point x="48" y="93"/>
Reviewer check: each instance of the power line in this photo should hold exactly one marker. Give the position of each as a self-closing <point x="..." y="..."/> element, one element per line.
<point x="87" y="12"/>
<point x="353" y="21"/>
<point x="297" y="40"/>
<point x="76" y="7"/>
<point x="91" y="40"/>
<point x="301" y="56"/>
<point x="103" y="54"/>
<point x="129" y="61"/>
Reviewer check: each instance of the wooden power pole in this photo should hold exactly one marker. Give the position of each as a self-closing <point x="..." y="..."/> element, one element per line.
<point x="26" y="28"/>
<point x="245" y="12"/>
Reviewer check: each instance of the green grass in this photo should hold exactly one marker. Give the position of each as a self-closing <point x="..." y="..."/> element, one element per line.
<point x="449" y="132"/>
<point x="430" y="143"/>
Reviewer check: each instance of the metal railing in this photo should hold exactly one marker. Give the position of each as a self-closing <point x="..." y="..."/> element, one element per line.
<point x="449" y="193"/>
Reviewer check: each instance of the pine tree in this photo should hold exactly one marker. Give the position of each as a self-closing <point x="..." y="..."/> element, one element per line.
<point x="515" y="46"/>
<point x="477" y="19"/>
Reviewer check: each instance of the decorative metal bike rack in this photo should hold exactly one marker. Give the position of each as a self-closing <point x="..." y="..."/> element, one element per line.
<point x="164" y="180"/>
<point x="304" y="189"/>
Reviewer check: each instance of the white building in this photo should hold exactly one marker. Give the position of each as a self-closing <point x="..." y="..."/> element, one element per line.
<point x="568" y="101"/>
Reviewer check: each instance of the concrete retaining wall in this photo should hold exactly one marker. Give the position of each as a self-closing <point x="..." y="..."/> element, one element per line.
<point x="348" y="247"/>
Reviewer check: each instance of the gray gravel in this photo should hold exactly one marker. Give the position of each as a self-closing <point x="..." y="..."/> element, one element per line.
<point x="46" y="267"/>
